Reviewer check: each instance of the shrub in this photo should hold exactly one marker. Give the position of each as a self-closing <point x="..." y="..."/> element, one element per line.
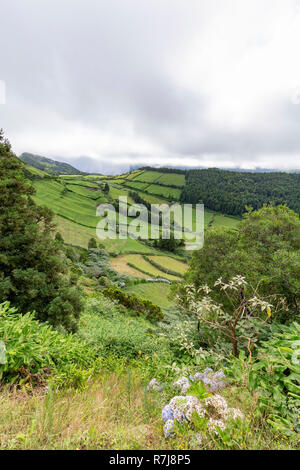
<point x="276" y="376"/>
<point x="112" y="332"/>
<point x="152" y="312"/>
<point x="97" y="265"/>
<point x="59" y="238"/>
<point x="92" y="243"/>
<point x="242" y="323"/>
<point x="34" y="351"/>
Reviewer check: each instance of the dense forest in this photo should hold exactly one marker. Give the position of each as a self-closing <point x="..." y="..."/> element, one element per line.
<point x="230" y="192"/>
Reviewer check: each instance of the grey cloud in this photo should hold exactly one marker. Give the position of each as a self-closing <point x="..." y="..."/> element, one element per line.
<point x="111" y="67"/>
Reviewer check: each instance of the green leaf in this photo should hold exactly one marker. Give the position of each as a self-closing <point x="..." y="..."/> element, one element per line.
<point x="2" y="353"/>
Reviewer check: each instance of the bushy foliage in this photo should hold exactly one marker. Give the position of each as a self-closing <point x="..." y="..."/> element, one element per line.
<point x="92" y="243"/>
<point x="34" y="351"/>
<point x="265" y="250"/>
<point x="33" y="273"/>
<point x="142" y="306"/>
<point x="276" y="377"/>
<point x="59" y="237"/>
<point x="97" y="265"/>
<point x="112" y="331"/>
<point x="242" y="323"/>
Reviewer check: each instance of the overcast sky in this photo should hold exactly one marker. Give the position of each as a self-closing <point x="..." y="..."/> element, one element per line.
<point x="174" y="82"/>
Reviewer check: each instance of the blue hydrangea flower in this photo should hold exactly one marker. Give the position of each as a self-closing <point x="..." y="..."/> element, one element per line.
<point x="167" y="414"/>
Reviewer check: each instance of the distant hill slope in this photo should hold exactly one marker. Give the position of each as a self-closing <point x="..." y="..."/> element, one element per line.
<point x="32" y="172"/>
<point x="228" y="192"/>
<point x="48" y="165"/>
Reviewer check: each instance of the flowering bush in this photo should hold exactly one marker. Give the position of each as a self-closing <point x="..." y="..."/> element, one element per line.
<point x="246" y="318"/>
<point x="210" y="414"/>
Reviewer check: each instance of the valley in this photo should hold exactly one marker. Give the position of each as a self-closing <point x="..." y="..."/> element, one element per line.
<point x="74" y="198"/>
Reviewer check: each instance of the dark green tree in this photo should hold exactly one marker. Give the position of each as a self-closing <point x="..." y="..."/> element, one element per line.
<point x="34" y="273"/>
<point x="59" y="238"/>
<point x="168" y="244"/>
<point x="106" y="188"/>
<point x="92" y="243"/>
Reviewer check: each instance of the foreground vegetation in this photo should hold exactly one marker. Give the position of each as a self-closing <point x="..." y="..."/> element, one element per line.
<point x="90" y="392"/>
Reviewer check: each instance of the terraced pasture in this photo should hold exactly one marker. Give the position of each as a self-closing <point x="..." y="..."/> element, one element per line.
<point x="35" y="171"/>
<point x="156" y="292"/>
<point x="93" y="193"/>
<point x="120" y="265"/>
<point x="172" y="179"/>
<point x="136" y="185"/>
<point x="82" y="182"/>
<point x="170" y="263"/>
<point x="139" y="263"/>
<point x="164" y="191"/>
<point x="75" y="234"/>
<point x="72" y="206"/>
<point x="132" y="174"/>
<point x="115" y="191"/>
<point x="75" y="211"/>
<point x="148" y="176"/>
<point x="152" y="199"/>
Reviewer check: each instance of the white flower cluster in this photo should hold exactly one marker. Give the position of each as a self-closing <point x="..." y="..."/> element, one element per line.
<point x="155" y="385"/>
<point x="213" y="408"/>
<point x="183" y="384"/>
<point x="212" y="380"/>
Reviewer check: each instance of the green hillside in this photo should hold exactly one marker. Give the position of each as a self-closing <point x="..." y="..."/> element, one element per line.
<point x="74" y="199"/>
<point x="33" y="172"/>
<point x="48" y="165"/>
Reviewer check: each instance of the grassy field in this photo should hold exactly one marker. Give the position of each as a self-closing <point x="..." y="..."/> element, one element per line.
<point x="151" y="198"/>
<point x="172" y="179"/>
<point x="101" y="417"/>
<point x="164" y="191"/>
<point x="75" y="234"/>
<point x="139" y="263"/>
<point x="74" y="207"/>
<point x="120" y="265"/>
<point x="226" y="221"/>
<point x="156" y="292"/>
<point x="132" y="174"/>
<point x="136" y="185"/>
<point x="35" y="171"/>
<point x="148" y="176"/>
<point x="170" y="263"/>
<point x="93" y="193"/>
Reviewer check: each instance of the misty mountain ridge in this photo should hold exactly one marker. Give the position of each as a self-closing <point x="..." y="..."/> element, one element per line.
<point x="85" y="165"/>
